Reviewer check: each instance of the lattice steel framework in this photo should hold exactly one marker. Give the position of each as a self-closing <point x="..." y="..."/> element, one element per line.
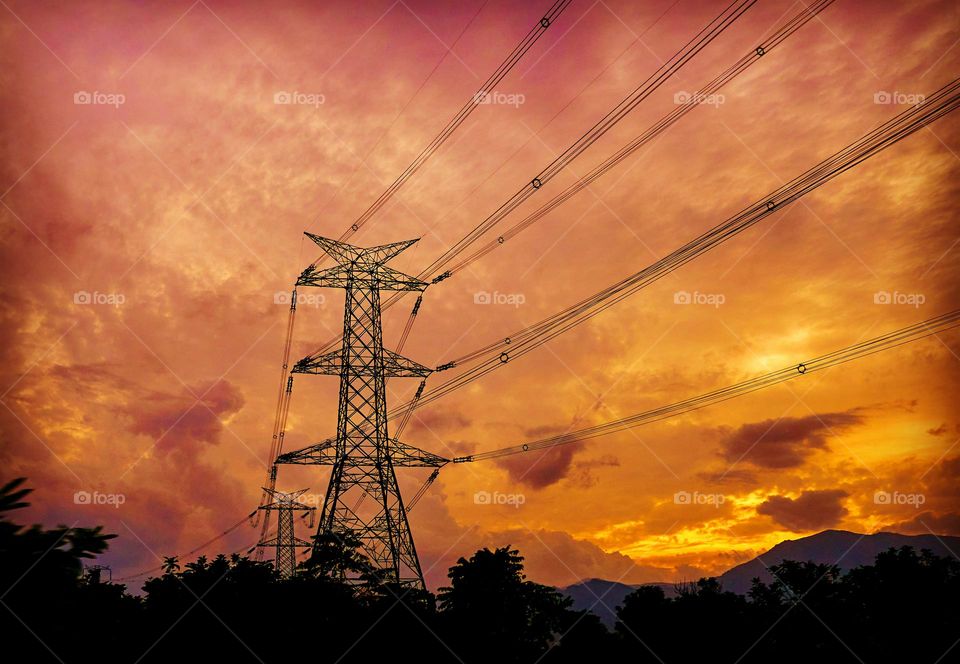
<point x="286" y="542"/>
<point x="363" y="499"/>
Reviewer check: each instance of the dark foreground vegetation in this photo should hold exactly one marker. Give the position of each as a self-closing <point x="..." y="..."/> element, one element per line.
<point x="904" y="608"/>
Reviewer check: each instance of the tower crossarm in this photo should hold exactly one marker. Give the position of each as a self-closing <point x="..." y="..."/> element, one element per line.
<point x="331" y="364"/>
<point x="296" y="543"/>
<point x="361" y="276"/>
<point x="364" y="257"/>
<point x="402" y="454"/>
<point x="325" y="454"/>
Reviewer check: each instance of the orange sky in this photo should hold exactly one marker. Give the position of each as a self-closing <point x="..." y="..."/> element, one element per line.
<point x="181" y="210"/>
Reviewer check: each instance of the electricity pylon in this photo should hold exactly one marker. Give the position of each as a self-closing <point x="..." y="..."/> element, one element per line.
<point x="363" y="499"/>
<point x="286" y="542"/>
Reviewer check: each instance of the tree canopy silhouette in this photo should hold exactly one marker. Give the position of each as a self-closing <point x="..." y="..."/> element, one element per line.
<point x="230" y="608"/>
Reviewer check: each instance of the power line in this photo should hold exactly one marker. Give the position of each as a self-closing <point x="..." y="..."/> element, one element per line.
<point x="856" y="351"/>
<point x="468" y="107"/>
<point x="416" y="92"/>
<point x="787" y="29"/>
<point x="694" y="100"/>
<point x="478" y="98"/>
<point x="493" y="355"/>
<point x="285" y="388"/>
<point x="676" y="62"/>
<point x="496" y="354"/>
<point x="281" y="412"/>
<point x="192" y="551"/>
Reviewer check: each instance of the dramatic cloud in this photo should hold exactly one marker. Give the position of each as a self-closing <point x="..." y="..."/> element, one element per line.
<point x="812" y="510"/>
<point x="540" y="469"/>
<point x="786" y="442"/>
<point x="926" y="523"/>
<point x="438" y="421"/>
<point x="736" y="476"/>
<point x="560" y="559"/>
<point x="191" y="417"/>
<point x="943" y="479"/>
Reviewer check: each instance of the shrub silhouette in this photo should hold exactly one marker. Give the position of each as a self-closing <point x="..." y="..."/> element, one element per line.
<point x="903" y="608"/>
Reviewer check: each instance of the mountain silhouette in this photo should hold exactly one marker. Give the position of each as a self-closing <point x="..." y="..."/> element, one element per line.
<point x="832" y="547"/>
<point x="602" y="597"/>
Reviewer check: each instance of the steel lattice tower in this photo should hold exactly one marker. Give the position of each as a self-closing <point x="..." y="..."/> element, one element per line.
<point x="363" y="499"/>
<point x="286" y="541"/>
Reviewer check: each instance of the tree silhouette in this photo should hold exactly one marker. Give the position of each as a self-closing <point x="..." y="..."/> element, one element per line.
<point x="903" y="608"/>
<point x="171" y="564"/>
<point x="336" y="556"/>
<point x="45" y="599"/>
<point x="494" y="613"/>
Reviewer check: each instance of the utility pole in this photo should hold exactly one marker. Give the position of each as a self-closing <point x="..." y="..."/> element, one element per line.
<point x="286" y="542"/>
<point x="363" y="499"/>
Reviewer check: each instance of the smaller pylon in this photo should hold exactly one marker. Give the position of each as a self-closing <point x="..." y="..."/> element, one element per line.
<point x="93" y="574"/>
<point x="286" y="541"/>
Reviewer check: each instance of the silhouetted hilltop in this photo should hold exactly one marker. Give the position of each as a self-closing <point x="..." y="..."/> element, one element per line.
<point x="602" y="597"/>
<point x="832" y="547"/>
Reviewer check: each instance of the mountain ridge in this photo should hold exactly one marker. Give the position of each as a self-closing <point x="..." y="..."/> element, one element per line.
<point x="843" y="548"/>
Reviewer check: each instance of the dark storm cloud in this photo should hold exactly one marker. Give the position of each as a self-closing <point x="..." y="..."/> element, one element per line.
<point x="540" y="469"/>
<point x="926" y="523"/>
<point x="438" y="420"/>
<point x="812" y="510"/>
<point x="194" y="416"/>
<point x="786" y="442"/>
